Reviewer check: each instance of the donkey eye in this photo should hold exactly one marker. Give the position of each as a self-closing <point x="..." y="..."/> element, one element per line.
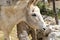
<point x="32" y="10"/>
<point x="33" y="14"/>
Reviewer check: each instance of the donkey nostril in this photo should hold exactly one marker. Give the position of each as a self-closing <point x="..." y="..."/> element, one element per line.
<point x="34" y="14"/>
<point x="43" y="28"/>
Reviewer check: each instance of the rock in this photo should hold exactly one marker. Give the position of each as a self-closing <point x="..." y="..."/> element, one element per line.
<point x="52" y="31"/>
<point x="49" y="20"/>
<point x="55" y="32"/>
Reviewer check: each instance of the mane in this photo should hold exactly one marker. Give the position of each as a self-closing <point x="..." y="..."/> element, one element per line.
<point x="12" y="9"/>
<point x="9" y="10"/>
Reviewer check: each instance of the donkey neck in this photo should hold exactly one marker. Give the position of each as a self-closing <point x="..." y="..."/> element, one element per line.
<point x="12" y="15"/>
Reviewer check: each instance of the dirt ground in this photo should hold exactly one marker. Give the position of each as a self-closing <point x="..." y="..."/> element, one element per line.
<point x="13" y="34"/>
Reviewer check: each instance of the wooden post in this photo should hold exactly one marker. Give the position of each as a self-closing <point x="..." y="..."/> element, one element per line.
<point x="55" y="14"/>
<point x="0" y="8"/>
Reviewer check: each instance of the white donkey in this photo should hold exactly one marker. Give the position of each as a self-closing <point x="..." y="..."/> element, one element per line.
<point x="12" y="15"/>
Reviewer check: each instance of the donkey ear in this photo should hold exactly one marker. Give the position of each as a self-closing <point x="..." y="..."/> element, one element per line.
<point x="33" y="2"/>
<point x="36" y="1"/>
<point x="30" y="2"/>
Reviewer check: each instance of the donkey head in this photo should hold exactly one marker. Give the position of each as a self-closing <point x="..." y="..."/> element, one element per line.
<point x="34" y="18"/>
